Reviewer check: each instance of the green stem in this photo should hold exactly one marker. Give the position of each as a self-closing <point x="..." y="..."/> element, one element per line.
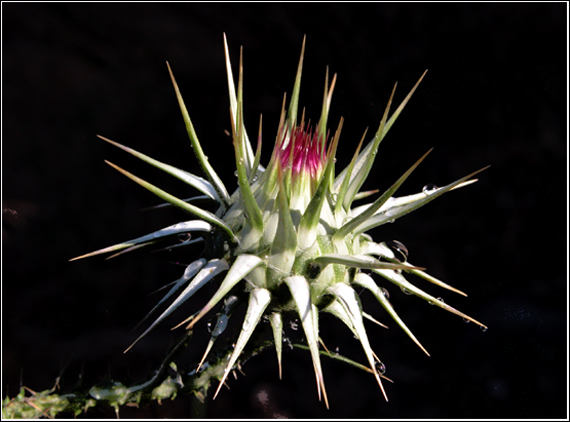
<point x="167" y="383"/>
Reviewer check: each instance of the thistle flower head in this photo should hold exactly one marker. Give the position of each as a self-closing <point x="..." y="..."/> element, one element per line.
<point x="290" y="238"/>
<point x="305" y="153"/>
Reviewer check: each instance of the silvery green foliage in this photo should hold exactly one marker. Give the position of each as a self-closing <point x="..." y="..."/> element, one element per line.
<point x="290" y="236"/>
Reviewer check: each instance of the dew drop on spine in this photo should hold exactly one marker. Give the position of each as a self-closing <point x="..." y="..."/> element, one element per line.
<point x="399" y="250"/>
<point x="429" y="188"/>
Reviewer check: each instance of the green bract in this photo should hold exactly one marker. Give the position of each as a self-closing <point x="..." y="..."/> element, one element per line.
<point x="289" y="236"/>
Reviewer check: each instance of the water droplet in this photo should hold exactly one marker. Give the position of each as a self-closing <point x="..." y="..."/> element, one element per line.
<point x="398" y="271"/>
<point x="406" y="291"/>
<point x="184" y="237"/>
<point x="288" y="342"/>
<point x="398" y="249"/>
<point x="210" y="325"/>
<point x="483" y="328"/>
<point x="294" y="324"/>
<point x="229" y="303"/>
<point x="441" y="299"/>
<point x="429" y="188"/>
<point x="385" y="292"/>
<point x="392" y="220"/>
<point x="221" y="325"/>
<point x="466" y="321"/>
<point x="380" y="367"/>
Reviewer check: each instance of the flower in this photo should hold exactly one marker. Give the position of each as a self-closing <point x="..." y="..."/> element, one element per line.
<point x="290" y="237"/>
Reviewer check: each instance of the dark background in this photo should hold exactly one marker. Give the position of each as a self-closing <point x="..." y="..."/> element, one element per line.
<point x="494" y="94"/>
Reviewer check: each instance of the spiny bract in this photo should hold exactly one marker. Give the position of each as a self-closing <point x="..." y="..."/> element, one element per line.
<point x="289" y="236"/>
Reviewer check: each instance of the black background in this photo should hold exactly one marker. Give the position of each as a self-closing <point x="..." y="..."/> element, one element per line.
<point x="494" y="94"/>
